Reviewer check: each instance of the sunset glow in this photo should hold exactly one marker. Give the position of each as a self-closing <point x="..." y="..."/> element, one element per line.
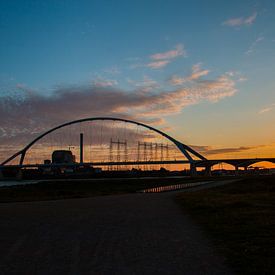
<point x="202" y="73"/>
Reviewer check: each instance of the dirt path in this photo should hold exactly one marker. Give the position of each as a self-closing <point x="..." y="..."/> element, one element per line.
<point x="127" y="234"/>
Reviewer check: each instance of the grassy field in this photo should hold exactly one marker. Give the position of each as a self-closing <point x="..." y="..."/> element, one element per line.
<point x="240" y="220"/>
<point x="52" y="190"/>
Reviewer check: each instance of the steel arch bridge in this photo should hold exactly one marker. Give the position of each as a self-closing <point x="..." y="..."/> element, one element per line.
<point x="186" y="150"/>
<point x="186" y="154"/>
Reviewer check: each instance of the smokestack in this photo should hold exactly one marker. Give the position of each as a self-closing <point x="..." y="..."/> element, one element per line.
<point x="81" y="148"/>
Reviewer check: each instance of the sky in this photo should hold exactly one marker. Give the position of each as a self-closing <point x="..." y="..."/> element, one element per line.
<point x="201" y="70"/>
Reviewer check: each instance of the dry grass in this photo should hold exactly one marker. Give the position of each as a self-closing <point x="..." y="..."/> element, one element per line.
<point x="240" y="220"/>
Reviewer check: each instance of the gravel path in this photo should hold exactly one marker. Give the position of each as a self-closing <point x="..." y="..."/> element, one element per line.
<point x="127" y="234"/>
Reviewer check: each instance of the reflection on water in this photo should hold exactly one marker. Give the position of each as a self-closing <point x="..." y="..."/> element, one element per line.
<point x="172" y="187"/>
<point x="15" y="182"/>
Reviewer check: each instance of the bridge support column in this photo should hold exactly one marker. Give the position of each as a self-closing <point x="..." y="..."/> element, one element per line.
<point x="207" y="171"/>
<point x="193" y="170"/>
<point x="245" y="168"/>
<point x="236" y="170"/>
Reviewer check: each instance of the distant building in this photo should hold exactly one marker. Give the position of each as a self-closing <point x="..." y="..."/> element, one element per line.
<point x="63" y="156"/>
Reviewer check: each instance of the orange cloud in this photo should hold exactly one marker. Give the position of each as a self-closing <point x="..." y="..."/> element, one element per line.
<point x="160" y="60"/>
<point x="157" y="64"/>
<point x="178" y="51"/>
<point x="197" y="73"/>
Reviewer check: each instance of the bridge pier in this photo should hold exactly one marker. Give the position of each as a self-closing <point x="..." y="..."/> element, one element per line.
<point x="207" y="171"/>
<point x="193" y="170"/>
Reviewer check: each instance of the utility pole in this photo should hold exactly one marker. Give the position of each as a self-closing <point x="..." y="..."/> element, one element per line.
<point x="81" y="149"/>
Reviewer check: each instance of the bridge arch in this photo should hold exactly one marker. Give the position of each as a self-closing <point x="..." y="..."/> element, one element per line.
<point x="184" y="149"/>
<point x="262" y="161"/>
<point x="220" y="165"/>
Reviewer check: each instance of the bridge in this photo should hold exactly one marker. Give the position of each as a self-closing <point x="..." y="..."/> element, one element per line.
<point x="110" y="142"/>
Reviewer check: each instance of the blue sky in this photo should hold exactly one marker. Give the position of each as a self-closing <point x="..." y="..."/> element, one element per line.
<point x="46" y="43"/>
<point x="225" y="49"/>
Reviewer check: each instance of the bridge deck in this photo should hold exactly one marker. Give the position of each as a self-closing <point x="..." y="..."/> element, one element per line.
<point x="197" y="163"/>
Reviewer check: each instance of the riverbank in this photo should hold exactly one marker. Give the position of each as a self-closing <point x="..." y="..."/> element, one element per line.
<point x="83" y="188"/>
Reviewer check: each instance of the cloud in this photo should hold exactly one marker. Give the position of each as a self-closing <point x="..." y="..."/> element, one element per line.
<point x="197" y="73"/>
<point x="157" y="64"/>
<point x="242" y="78"/>
<point x="178" y="51"/>
<point x="250" y="20"/>
<point x="100" y="82"/>
<point x="251" y="49"/>
<point x="209" y="150"/>
<point x="219" y="88"/>
<point x="146" y="84"/>
<point x="231" y="73"/>
<point x="237" y="75"/>
<point x="177" y="80"/>
<point x="28" y="113"/>
<point x="160" y="60"/>
<point x="267" y="109"/>
<point x="241" y="21"/>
